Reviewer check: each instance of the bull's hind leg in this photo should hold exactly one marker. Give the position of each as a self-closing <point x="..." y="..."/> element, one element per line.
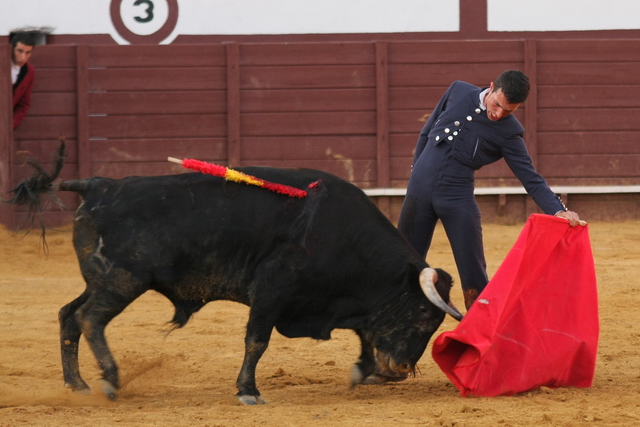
<point x="256" y="342"/>
<point x="69" y="340"/>
<point x="92" y="318"/>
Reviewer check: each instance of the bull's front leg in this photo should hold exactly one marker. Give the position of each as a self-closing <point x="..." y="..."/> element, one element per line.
<point x="365" y="366"/>
<point x="256" y="342"/>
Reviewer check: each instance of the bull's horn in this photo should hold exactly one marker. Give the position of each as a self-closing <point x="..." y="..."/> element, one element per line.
<point x="428" y="277"/>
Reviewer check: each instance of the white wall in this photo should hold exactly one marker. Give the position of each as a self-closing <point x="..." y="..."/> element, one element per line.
<point x="563" y="15"/>
<point x="238" y="16"/>
<point x="317" y="16"/>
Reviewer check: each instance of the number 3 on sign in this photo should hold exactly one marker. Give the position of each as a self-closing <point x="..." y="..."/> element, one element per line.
<point x="149" y="11"/>
<point x="144" y="17"/>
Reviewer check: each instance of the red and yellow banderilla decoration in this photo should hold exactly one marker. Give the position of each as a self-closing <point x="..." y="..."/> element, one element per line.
<point x="236" y="176"/>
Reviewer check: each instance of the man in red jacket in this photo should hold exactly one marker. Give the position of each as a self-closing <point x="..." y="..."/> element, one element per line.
<point x="22" y="74"/>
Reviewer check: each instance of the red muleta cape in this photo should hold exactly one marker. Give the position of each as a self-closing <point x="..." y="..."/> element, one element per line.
<point x="535" y="324"/>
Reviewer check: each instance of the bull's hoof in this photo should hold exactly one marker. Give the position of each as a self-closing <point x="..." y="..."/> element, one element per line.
<point x="83" y="391"/>
<point x="356" y="376"/>
<point x="109" y="390"/>
<point x="377" y="379"/>
<point x="251" y="400"/>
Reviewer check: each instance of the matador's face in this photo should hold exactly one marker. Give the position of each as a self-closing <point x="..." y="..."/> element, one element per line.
<point x="497" y="105"/>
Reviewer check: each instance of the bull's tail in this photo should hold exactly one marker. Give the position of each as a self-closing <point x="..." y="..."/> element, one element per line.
<point x="30" y="191"/>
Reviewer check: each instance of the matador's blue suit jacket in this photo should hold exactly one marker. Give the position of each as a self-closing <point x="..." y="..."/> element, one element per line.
<point x="457" y="140"/>
<point x="477" y="141"/>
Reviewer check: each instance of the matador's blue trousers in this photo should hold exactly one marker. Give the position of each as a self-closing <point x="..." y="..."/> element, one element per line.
<point x="441" y="187"/>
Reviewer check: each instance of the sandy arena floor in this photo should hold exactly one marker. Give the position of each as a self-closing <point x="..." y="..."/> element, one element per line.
<point x="187" y="378"/>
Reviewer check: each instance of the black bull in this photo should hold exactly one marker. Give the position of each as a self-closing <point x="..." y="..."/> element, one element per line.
<point x="305" y="266"/>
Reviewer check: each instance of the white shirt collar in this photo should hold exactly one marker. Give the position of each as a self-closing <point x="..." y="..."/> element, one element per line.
<point x="15" y="70"/>
<point x="483" y="94"/>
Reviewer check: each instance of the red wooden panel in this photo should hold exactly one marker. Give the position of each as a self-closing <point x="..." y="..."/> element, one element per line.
<point x="415" y="98"/>
<point x="285" y="100"/>
<point x="306" y="53"/>
<point x="408" y="121"/>
<point x="43" y="151"/>
<point x="451" y="52"/>
<point x="403" y="145"/>
<point x="382" y="116"/>
<point x="158" y="102"/>
<point x="68" y="200"/>
<point x="589" y="165"/>
<point x="233" y="104"/>
<point x="53" y="56"/>
<point x="24" y="171"/>
<point x="602" y="142"/>
<point x="161" y="79"/>
<point x="586" y="119"/>
<point x="57" y="219"/>
<point x="592" y="50"/>
<point x="158" y="126"/>
<point x="325" y="123"/>
<point x="82" y="92"/>
<point x="209" y="55"/>
<point x="292" y="77"/>
<point x="397" y="184"/>
<point x="400" y="170"/>
<point x="442" y="75"/>
<point x="55" y="80"/>
<point x="118" y="170"/>
<point x="361" y="184"/>
<point x="360" y="172"/>
<point x="597" y="95"/>
<point x="157" y="150"/>
<point x="49" y="128"/>
<point x="53" y="104"/>
<point x="586" y="73"/>
<point x="294" y="148"/>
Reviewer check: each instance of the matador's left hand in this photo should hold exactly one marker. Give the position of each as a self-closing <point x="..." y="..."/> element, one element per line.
<point x="572" y="217"/>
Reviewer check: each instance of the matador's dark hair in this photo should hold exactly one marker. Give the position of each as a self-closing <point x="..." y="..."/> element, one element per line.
<point x="515" y="86"/>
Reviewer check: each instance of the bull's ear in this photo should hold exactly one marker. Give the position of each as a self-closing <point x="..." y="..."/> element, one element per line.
<point x="428" y="278"/>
